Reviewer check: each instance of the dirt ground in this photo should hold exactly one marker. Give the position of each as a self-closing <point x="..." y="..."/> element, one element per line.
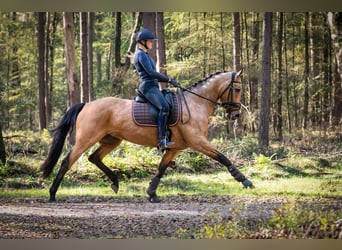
<point x="135" y="217"/>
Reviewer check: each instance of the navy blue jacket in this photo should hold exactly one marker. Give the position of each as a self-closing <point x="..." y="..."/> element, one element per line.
<point x="146" y="68"/>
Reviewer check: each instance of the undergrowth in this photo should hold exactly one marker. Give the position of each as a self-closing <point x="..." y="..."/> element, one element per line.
<point x="304" y="157"/>
<point x="307" y="167"/>
<point x="290" y="221"/>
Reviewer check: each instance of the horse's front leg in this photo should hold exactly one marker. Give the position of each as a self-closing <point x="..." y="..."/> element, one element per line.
<point x="206" y="148"/>
<point x="164" y="163"/>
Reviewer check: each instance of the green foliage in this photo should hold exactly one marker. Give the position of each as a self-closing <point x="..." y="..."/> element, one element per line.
<point x="291" y="221"/>
<point x="262" y="166"/>
<point x="297" y="178"/>
<point x="294" y="174"/>
<point x="296" y="221"/>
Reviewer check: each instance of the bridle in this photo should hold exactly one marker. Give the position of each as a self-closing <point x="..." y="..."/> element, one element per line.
<point x="226" y="105"/>
<point x="229" y="101"/>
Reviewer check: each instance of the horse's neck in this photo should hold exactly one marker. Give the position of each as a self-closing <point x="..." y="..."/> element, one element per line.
<point x="209" y="91"/>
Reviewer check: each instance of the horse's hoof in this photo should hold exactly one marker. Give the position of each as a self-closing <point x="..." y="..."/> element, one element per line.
<point x="52" y="199"/>
<point x="154" y="199"/>
<point x="115" y="188"/>
<point x="247" y="184"/>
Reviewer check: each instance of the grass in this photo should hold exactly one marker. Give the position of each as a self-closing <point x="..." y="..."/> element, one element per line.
<point x="284" y="171"/>
<point x="220" y="183"/>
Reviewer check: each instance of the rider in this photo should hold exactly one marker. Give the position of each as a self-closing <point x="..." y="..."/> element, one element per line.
<point x="149" y="79"/>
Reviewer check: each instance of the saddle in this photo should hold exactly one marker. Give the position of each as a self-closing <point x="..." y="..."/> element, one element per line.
<point x="145" y="114"/>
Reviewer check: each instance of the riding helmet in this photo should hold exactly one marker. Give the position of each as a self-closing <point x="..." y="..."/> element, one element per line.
<point x="145" y="34"/>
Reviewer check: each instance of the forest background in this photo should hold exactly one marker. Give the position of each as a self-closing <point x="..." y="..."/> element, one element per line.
<point x="292" y="61"/>
<point x="288" y="140"/>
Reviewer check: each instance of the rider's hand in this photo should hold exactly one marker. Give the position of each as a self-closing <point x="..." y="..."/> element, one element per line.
<point x="174" y="83"/>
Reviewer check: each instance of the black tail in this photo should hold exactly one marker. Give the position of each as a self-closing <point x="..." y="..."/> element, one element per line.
<point x="59" y="134"/>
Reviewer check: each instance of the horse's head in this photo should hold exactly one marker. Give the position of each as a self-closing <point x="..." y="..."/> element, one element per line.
<point x="231" y="97"/>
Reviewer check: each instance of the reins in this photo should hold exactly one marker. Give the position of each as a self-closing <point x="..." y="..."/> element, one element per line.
<point x="221" y="104"/>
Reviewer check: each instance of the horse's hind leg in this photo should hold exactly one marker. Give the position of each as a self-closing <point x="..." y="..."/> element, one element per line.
<point x="107" y="144"/>
<point x="164" y="163"/>
<point x="67" y="162"/>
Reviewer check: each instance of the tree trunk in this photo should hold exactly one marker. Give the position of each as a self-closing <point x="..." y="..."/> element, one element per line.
<point x="246" y="31"/>
<point x="48" y="108"/>
<point x="98" y="69"/>
<point x="52" y="47"/>
<point x="263" y="137"/>
<point x="117" y="53"/>
<point x="288" y="103"/>
<point x="132" y="44"/>
<point x="306" y="73"/>
<point x="71" y="73"/>
<point x="205" y="44"/>
<point x="223" y="46"/>
<point x="334" y="20"/>
<point x="315" y="71"/>
<point x="280" y="76"/>
<point x="161" y="57"/>
<point x="149" y="22"/>
<point x="254" y="75"/>
<point x="236" y="41"/>
<point x="2" y="147"/>
<point x="91" y="17"/>
<point x="84" y="56"/>
<point x="41" y="70"/>
<point x="326" y="104"/>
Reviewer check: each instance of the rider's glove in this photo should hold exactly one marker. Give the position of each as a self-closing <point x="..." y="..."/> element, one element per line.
<point x="174" y="83"/>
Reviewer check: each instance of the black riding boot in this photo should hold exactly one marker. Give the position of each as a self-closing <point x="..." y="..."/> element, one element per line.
<point x="162" y="125"/>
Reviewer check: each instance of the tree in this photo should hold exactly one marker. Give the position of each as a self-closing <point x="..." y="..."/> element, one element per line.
<point x="198" y="44"/>
<point x="84" y="56"/>
<point x="132" y="44"/>
<point x="41" y="70"/>
<point x="279" y="115"/>
<point x="263" y="136"/>
<point x="236" y="41"/>
<point x="334" y="20"/>
<point x="161" y="57"/>
<point x="117" y="53"/>
<point x="2" y="147"/>
<point x="306" y="72"/>
<point x="91" y="17"/>
<point x="71" y="73"/>
<point x="253" y="74"/>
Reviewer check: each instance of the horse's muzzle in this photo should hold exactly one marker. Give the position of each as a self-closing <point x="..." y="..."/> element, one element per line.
<point x="234" y="115"/>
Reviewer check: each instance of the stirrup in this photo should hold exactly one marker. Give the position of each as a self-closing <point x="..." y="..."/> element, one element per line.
<point x="163" y="144"/>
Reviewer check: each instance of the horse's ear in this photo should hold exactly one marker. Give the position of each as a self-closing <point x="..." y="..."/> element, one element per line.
<point x="240" y="72"/>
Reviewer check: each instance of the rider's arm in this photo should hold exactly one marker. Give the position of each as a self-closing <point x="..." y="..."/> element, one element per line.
<point x="146" y="63"/>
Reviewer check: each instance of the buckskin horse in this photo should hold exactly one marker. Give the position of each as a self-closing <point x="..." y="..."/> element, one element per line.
<point x="109" y="121"/>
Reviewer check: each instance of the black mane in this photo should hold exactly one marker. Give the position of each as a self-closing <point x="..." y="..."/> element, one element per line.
<point x="205" y="79"/>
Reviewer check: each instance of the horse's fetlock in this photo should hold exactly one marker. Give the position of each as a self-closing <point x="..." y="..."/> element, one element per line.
<point x="153" y="186"/>
<point x="240" y="177"/>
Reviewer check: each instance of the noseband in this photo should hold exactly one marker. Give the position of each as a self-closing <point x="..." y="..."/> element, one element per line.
<point x="229" y="102"/>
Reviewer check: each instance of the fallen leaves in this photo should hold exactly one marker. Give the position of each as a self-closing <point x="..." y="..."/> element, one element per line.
<point x="134" y="217"/>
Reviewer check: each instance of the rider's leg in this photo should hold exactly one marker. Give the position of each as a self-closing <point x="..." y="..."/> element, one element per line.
<point x="162" y="126"/>
<point x="154" y="95"/>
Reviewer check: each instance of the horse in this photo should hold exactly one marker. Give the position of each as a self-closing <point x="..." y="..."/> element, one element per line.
<point x="108" y="121"/>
